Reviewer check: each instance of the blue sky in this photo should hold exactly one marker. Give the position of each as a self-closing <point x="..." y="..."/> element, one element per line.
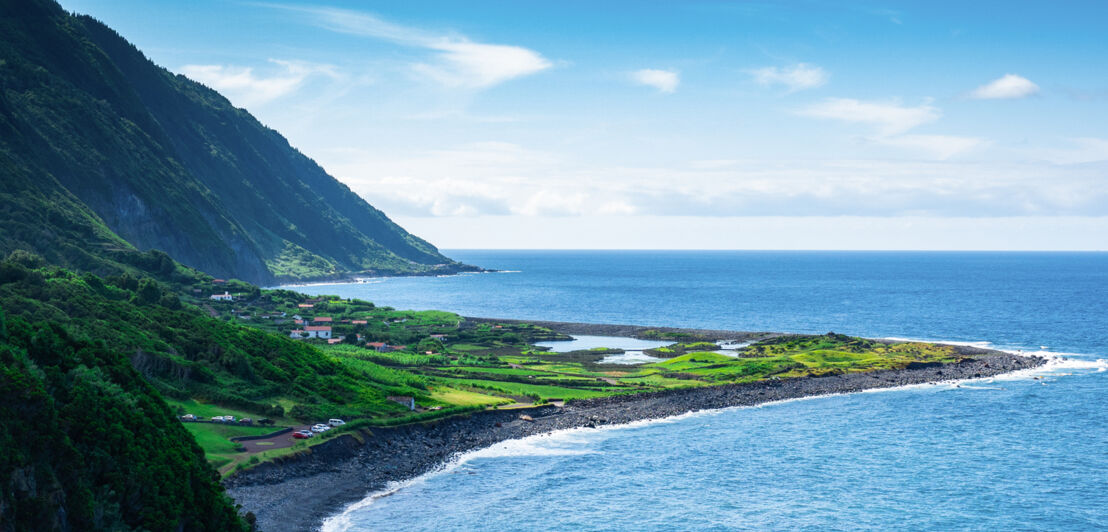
<point x="782" y="125"/>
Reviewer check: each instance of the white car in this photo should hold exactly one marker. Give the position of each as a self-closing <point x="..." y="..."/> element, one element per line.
<point x="320" y="428"/>
<point x="336" y="422"/>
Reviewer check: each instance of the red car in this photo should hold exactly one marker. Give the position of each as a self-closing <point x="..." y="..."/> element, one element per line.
<point x="302" y="434"/>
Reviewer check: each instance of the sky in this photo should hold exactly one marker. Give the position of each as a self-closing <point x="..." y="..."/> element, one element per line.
<point x="676" y="125"/>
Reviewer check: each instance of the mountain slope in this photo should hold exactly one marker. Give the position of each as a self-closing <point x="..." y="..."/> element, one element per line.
<point x="130" y="154"/>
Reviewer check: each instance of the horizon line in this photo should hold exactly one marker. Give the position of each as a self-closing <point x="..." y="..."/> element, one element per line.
<point x="781" y="250"/>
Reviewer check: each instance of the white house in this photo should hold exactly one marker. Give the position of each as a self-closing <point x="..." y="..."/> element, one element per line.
<point x="314" y="331"/>
<point x="222" y="297"/>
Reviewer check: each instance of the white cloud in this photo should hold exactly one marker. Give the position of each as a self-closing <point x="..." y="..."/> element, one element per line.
<point x="458" y="61"/>
<point x="665" y="81"/>
<point x="940" y="147"/>
<point x="497" y="178"/>
<point x="799" y="77"/>
<point x="245" y="88"/>
<point x="1009" y="86"/>
<point x="889" y="118"/>
<point x="765" y="232"/>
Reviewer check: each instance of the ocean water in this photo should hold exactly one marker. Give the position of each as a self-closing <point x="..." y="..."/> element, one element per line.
<point x="1026" y="452"/>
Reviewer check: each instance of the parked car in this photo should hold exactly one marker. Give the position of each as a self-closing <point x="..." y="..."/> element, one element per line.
<point x="302" y="434"/>
<point x="265" y="421"/>
<point x="320" y="427"/>
<point x="188" y="417"/>
<point x="246" y="421"/>
<point x="228" y="419"/>
<point x="217" y="419"/>
<point x="336" y="422"/>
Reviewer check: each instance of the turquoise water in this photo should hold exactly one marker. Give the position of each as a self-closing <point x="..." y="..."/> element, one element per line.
<point x="1009" y="453"/>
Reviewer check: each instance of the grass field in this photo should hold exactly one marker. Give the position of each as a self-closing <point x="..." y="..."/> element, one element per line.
<point x="214" y="438"/>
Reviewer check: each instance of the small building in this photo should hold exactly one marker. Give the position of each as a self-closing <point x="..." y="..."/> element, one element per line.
<point x="311" y="332"/>
<point x="334" y="340"/>
<point x="219" y="281"/>
<point x="222" y="297"/>
<point x="318" y="331"/>
<point x="322" y="319"/>
<point x="438" y="336"/>
<point x="358" y="322"/>
<point x="404" y="400"/>
<point x="305" y="305"/>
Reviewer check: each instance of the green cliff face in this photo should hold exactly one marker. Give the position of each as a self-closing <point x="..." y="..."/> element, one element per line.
<point x="102" y="150"/>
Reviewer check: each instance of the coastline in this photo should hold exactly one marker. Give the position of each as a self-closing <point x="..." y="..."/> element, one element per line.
<point x="630" y="331"/>
<point x="359" y="277"/>
<point x="298" y="492"/>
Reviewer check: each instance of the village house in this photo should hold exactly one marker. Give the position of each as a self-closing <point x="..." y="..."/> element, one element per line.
<point x="312" y="331"/>
<point x="358" y="322"/>
<point x="222" y="297"/>
<point x="305" y="305"/>
<point x="321" y="319"/>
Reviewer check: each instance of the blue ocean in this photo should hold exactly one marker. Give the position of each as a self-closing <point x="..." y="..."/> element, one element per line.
<point x="1026" y="451"/>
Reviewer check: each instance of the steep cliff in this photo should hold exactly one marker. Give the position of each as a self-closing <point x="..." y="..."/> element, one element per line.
<point x="101" y="149"/>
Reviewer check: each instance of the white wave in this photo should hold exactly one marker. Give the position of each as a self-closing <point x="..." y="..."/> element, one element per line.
<point x="1055" y="360"/>
<point x="1056" y="363"/>
<point x="560" y="443"/>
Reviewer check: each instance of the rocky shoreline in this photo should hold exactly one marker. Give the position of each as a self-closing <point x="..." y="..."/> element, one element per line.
<point x="298" y="492"/>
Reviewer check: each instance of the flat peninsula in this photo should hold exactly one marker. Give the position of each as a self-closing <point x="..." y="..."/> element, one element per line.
<point x="299" y="491"/>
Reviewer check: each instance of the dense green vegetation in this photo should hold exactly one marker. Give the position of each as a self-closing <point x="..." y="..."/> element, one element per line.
<point x="101" y="150"/>
<point x="88" y="443"/>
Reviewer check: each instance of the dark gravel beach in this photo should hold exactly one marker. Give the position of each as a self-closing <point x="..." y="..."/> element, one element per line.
<point x="299" y="492"/>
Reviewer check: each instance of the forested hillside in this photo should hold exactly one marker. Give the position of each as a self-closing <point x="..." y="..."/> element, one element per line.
<point x="88" y="444"/>
<point x="102" y="150"/>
